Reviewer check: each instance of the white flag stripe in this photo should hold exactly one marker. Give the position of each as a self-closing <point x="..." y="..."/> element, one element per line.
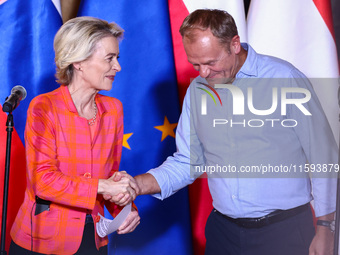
<point x="234" y="7"/>
<point x="57" y="6"/>
<point x="295" y="31"/>
<point x="293" y="36"/>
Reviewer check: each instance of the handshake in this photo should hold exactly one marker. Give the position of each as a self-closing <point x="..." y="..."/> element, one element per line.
<point x="121" y="188"/>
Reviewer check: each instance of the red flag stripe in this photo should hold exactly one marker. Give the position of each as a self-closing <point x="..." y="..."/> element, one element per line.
<point x="199" y="194"/>
<point x="184" y="69"/>
<point x="325" y="9"/>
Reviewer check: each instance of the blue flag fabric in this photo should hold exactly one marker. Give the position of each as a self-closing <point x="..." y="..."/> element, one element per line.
<point x="27" y="30"/>
<point x="147" y="88"/>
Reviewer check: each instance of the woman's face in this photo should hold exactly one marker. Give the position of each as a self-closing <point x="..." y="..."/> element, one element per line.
<point x="100" y="69"/>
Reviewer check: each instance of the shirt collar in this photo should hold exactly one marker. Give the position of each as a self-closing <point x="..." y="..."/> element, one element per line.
<point x="249" y="67"/>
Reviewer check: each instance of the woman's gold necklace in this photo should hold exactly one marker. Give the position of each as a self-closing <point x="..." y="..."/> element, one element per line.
<point x="93" y="120"/>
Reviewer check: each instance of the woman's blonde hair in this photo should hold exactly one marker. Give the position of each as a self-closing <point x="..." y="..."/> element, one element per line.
<point x="76" y="40"/>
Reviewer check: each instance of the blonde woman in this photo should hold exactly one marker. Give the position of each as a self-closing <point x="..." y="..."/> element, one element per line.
<point x="73" y="142"/>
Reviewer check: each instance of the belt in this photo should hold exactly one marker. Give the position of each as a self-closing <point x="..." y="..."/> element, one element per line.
<point x="268" y="219"/>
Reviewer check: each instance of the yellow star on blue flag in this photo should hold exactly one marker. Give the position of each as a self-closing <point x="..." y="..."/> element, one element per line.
<point x="167" y="128"/>
<point x="125" y="140"/>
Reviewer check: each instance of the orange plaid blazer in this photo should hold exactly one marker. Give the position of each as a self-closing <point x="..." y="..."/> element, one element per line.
<point x="60" y="158"/>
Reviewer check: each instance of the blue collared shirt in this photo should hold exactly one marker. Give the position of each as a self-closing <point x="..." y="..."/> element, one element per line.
<point x="255" y="159"/>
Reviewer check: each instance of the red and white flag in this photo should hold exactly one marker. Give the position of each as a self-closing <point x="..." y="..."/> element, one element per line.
<point x="302" y="33"/>
<point x="200" y="198"/>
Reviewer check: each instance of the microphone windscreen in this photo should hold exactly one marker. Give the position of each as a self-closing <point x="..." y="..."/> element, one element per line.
<point x="20" y="89"/>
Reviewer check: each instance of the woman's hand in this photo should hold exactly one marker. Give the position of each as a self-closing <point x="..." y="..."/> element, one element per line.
<point x="121" y="188"/>
<point x="130" y="223"/>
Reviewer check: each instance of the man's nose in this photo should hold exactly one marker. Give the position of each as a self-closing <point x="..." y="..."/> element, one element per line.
<point x="204" y="71"/>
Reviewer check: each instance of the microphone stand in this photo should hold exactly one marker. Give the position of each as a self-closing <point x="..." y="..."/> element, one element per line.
<point x="9" y="129"/>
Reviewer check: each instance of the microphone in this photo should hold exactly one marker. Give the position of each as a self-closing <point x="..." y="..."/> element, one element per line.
<point x="18" y="93"/>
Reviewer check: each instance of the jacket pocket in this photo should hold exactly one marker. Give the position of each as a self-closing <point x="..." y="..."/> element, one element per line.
<point x="46" y="224"/>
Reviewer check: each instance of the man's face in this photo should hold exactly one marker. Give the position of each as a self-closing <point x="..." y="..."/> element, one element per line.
<point x="213" y="61"/>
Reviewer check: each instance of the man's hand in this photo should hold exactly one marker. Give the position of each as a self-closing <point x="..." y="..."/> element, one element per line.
<point x="120" y="188"/>
<point x="323" y="241"/>
<point x="123" y="199"/>
<point x="145" y="184"/>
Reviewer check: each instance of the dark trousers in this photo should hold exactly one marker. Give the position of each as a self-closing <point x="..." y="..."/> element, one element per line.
<point x="87" y="246"/>
<point x="291" y="236"/>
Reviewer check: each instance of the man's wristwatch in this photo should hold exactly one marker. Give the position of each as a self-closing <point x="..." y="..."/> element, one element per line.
<point x="330" y="224"/>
